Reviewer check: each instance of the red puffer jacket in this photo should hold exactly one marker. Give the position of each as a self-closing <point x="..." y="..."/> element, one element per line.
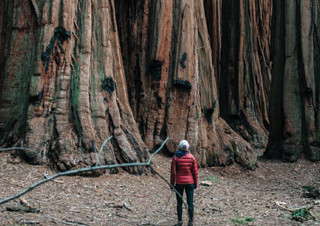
<point x="184" y="170"/>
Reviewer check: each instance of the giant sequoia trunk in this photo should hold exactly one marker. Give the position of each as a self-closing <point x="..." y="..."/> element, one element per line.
<point x="240" y="34"/>
<point x="294" y="108"/>
<point x="63" y="87"/>
<point x="171" y="79"/>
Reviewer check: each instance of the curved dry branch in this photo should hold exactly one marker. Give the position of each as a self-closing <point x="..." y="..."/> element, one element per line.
<point x="101" y="149"/>
<point x="70" y="172"/>
<point x="171" y="186"/>
<point x="157" y="151"/>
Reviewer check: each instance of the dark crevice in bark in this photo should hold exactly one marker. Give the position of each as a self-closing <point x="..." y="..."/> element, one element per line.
<point x="316" y="47"/>
<point x="230" y="47"/>
<point x="173" y="51"/>
<point x="302" y="88"/>
<point x="60" y="34"/>
<point x="129" y="17"/>
<point x="208" y="6"/>
<point x="214" y="24"/>
<point x="74" y="92"/>
<point x="274" y="148"/>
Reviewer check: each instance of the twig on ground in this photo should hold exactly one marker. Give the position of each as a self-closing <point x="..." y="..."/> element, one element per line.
<point x="75" y="211"/>
<point x="24" y="202"/>
<point x="76" y="222"/>
<point x="19" y="219"/>
<point x="162" y="221"/>
<point x="45" y="174"/>
<point x="125" y="205"/>
<point x="28" y="222"/>
<point x="29" y="175"/>
<point x="65" y="222"/>
<point x="169" y="198"/>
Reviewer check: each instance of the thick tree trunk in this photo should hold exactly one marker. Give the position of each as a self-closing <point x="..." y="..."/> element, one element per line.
<point x="63" y="87"/>
<point x="242" y="64"/>
<point x="294" y="109"/>
<point x="169" y="69"/>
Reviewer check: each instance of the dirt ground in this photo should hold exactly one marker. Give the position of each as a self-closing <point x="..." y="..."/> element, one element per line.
<point x="265" y="196"/>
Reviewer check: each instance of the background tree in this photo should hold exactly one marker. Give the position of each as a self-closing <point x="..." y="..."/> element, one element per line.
<point x="294" y="108"/>
<point x="240" y="33"/>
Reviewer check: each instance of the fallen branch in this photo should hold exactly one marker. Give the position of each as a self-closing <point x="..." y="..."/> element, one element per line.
<point x="172" y="187"/>
<point x="104" y="143"/>
<point x="81" y="170"/>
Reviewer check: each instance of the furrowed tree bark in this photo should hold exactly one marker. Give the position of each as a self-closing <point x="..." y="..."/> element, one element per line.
<point x="63" y="87"/>
<point x="170" y="72"/>
<point x="240" y="33"/>
<point x="295" y="84"/>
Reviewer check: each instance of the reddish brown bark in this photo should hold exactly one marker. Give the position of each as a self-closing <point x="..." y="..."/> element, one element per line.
<point x="240" y="37"/>
<point x="170" y="71"/>
<point x="295" y="87"/>
<point x="64" y="89"/>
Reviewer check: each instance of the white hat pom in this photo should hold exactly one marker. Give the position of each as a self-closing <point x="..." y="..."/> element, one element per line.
<point x="184" y="145"/>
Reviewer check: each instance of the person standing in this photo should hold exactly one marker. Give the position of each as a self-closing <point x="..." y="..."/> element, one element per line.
<point x="184" y="176"/>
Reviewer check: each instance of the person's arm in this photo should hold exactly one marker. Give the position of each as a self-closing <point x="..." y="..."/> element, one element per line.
<point x="173" y="171"/>
<point x="195" y="172"/>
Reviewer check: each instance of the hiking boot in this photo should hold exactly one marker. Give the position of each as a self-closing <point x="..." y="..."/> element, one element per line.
<point x="179" y="223"/>
<point x="190" y="223"/>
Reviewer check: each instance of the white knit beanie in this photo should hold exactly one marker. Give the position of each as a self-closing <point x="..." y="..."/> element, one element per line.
<point x="184" y="145"/>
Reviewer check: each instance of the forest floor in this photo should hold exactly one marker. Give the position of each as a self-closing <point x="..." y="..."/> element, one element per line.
<point x="237" y="196"/>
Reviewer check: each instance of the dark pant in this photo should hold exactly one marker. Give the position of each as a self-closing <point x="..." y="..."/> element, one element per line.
<point x="189" y="191"/>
